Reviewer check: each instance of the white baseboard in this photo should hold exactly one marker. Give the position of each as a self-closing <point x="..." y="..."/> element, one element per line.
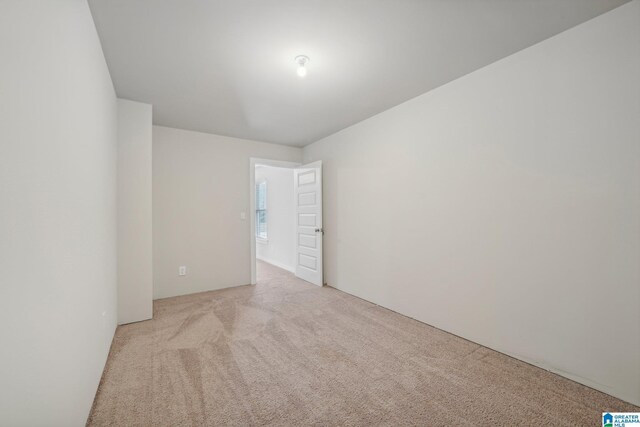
<point x="277" y="264"/>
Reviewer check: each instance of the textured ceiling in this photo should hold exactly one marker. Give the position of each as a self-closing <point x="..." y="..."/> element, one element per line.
<point x="227" y="67"/>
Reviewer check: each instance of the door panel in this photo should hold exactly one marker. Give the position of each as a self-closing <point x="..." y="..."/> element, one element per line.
<point x="308" y="196"/>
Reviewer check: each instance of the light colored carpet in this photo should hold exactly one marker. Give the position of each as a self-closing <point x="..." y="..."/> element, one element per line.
<point x="285" y="352"/>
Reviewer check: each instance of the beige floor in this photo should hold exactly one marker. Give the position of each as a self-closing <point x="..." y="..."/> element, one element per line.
<point x="285" y="352"/>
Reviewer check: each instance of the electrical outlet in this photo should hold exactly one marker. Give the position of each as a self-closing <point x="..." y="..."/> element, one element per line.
<point x="105" y="323"/>
<point x="182" y="270"/>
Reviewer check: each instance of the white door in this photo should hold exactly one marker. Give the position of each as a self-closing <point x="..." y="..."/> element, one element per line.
<point x="308" y="202"/>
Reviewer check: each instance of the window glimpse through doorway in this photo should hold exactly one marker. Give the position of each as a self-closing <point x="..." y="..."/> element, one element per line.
<point x="261" y="210"/>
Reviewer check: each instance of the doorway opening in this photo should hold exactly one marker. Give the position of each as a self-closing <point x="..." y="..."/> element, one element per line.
<point x="286" y="220"/>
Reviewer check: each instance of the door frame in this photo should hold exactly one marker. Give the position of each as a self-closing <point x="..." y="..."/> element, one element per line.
<point x="253" y="162"/>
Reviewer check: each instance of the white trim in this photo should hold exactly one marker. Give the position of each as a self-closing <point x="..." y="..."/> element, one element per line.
<point x="277" y="264"/>
<point x="253" y="161"/>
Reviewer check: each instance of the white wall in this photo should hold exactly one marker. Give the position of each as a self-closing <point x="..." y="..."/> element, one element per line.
<point x="279" y="247"/>
<point x="135" y="268"/>
<point x="504" y="207"/>
<point x="58" y="120"/>
<point x="200" y="187"/>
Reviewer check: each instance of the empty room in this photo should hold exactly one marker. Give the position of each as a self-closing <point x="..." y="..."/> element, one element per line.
<point x="319" y="213"/>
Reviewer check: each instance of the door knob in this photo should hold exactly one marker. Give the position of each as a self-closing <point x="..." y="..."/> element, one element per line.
<point x="320" y="230"/>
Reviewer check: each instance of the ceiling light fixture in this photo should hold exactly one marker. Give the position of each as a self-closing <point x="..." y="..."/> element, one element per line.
<point x="302" y="60"/>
